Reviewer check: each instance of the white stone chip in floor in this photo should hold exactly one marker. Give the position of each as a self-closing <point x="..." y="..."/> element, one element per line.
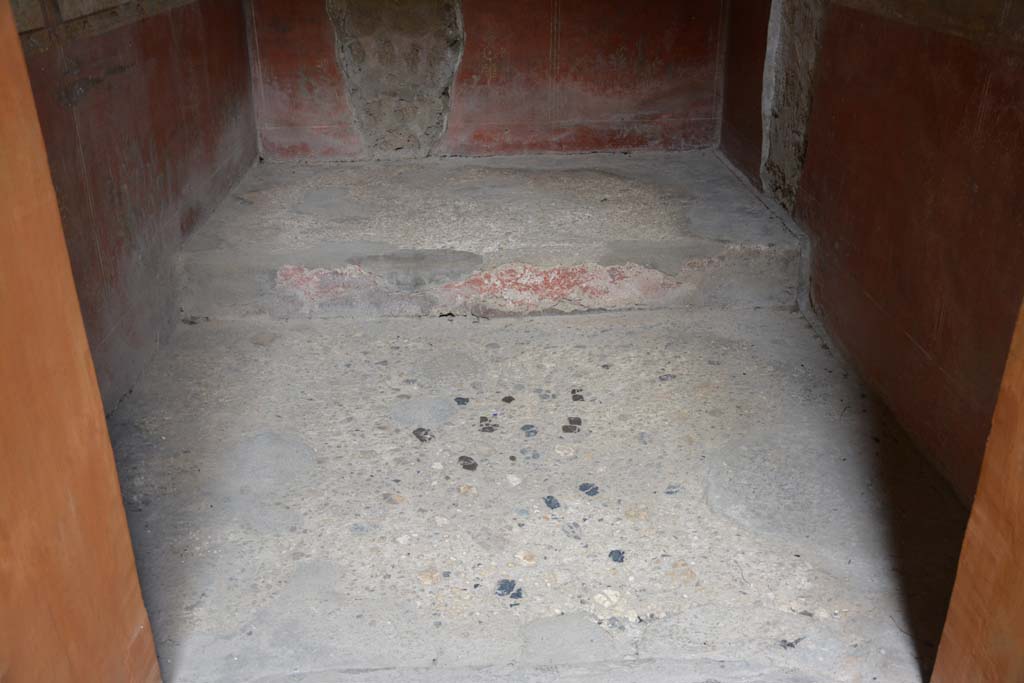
<point x="287" y="518"/>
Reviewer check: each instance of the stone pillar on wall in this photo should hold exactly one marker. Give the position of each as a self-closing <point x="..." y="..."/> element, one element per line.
<point x="794" y="38"/>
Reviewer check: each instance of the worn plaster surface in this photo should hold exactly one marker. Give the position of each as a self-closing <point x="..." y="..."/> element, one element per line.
<point x="794" y="40"/>
<point x="686" y="491"/>
<point x="399" y="61"/>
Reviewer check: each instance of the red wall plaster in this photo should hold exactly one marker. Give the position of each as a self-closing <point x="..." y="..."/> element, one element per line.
<point x="742" y="125"/>
<point x="911" y="192"/>
<point x="535" y="75"/>
<point x="302" y="110"/>
<point x="584" y="75"/>
<point x="146" y="126"/>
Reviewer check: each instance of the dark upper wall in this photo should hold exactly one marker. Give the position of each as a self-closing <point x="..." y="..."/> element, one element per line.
<point x="147" y="117"/>
<point x="536" y="75"/>
<point x="911" y="194"/>
<point x="992" y="22"/>
<point x="745" y="45"/>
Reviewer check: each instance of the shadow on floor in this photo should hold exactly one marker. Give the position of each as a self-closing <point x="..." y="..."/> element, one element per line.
<point x="926" y="524"/>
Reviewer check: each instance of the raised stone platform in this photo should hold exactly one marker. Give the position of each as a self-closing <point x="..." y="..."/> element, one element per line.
<point x="501" y="236"/>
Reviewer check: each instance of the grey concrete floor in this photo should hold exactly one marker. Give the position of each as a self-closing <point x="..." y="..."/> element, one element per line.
<point x="697" y="491"/>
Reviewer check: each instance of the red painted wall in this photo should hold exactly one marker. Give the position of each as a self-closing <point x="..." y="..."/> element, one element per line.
<point x="301" y="107"/>
<point x="583" y="75"/>
<point x="912" y="193"/>
<point x="147" y="126"/>
<point x="746" y="43"/>
<point x="536" y="75"/>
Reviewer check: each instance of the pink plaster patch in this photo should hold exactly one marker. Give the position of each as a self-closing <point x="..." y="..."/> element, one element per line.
<point x="315" y="286"/>
<point x="512" y="289"/>
<point x="521" y="288"/>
